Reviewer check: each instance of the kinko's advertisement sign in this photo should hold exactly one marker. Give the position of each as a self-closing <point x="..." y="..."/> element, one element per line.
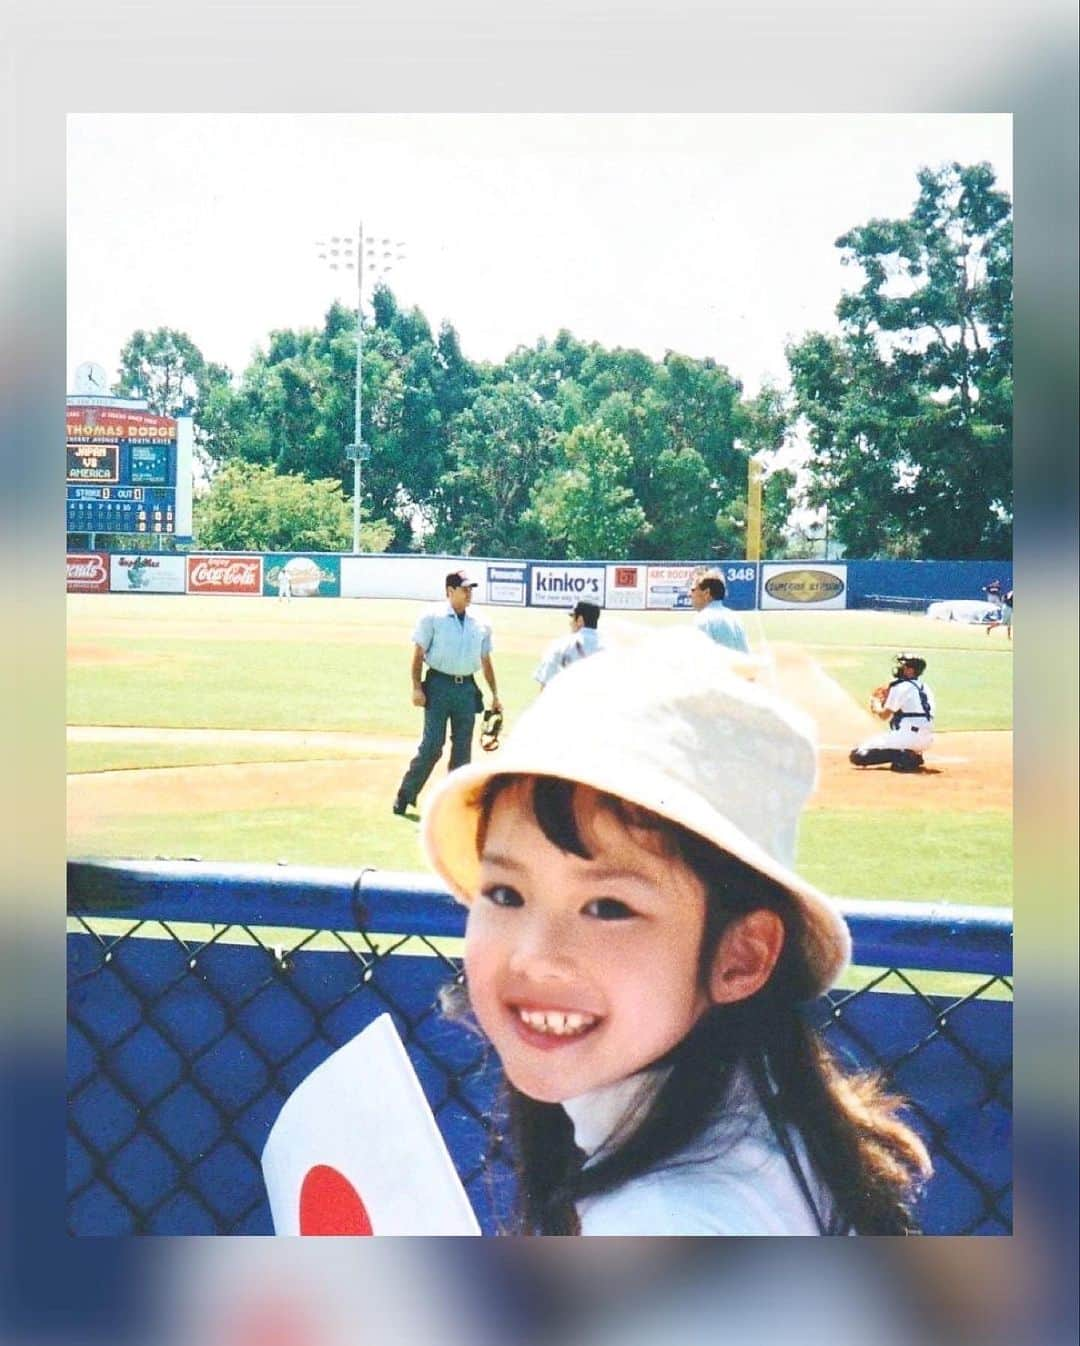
<point x="88" y="573"/>
<point x="804" y="586"/>
<point x="145" y="573"/>
<point x="625" y="586"/>
<point x="224" y="574"/>
<point x="506" y="583"/>
<point x="309" y="576"/>
<point x="560" y="586"/>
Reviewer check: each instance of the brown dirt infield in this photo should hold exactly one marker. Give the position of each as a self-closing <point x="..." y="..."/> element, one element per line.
<point x="966" y="771"/>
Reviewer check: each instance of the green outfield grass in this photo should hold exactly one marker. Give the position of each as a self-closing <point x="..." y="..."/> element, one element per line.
<point x="849" y="853"/>
<point x="184" y="662"/>
<point x="332" y="835"/>
<point x="344" y="665"/>
<point x="865" y="628"/>
<point x="317" y="676"/>
<point x="973" y="688"/>
<point x="909" y="853"/>
<point x="969" y="671"/>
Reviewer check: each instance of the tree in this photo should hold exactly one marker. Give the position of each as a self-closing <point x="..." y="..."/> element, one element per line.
<point x="478" y="458"/>
<point x="499" y="447"/>
<point x="168" y="370"/>
<point x="249" y="507"/>
<point x="294" y="408"/>
<point x="546" y="366"/>
<point x="585" y="501"/>
<point x="909" y="411"/>
<point x="686" y="470"/>
<point x="777" y="499"/>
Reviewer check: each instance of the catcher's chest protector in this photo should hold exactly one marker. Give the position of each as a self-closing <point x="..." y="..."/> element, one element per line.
<point x="901" y="715"/>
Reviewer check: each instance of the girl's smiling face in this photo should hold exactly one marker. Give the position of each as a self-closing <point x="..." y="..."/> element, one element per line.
<point x="581" y="971"/>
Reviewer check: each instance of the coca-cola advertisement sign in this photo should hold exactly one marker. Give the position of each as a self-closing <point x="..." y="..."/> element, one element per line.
<point x="224" y="575"/>
<point x="88" y="572"/>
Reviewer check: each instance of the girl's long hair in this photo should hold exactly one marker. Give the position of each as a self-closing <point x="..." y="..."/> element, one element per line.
<point x="871" y="1162"/>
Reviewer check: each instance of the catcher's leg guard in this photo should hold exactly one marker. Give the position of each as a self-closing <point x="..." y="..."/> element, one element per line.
<point x="908" y="761"/>
<point x="872" y="756"/>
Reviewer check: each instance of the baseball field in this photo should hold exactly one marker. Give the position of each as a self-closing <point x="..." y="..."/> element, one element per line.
<point x="247" y="729"/>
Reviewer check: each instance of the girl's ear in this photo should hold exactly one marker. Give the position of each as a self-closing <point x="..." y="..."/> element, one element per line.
<point x="745" y="956"/>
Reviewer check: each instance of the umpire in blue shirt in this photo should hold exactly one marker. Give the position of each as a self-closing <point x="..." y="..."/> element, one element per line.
<point x="454" y="645"/>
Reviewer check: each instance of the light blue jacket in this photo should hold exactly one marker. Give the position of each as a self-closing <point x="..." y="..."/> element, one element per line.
<point x="722" y="625"/>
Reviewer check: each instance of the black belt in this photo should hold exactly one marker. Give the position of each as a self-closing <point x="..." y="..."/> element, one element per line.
<point x="452" y="677"/>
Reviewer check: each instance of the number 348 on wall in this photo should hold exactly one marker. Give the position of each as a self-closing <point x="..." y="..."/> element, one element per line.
<point x="739" y="573"/>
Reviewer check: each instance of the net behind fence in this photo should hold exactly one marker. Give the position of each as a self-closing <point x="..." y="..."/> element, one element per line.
<point x="200" y="996"/>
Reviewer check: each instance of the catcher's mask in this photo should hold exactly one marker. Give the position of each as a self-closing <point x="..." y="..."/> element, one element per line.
<point x="904" y="660"/>
<point x="490" y="730"/>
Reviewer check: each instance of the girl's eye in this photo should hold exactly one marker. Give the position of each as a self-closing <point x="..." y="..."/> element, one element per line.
<point x="501" y="895"/>
<point x="609" y="909"/>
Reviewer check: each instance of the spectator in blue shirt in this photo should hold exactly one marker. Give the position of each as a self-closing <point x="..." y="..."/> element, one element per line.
<point x="453" y="644"/>
<point x="712" y="617"/>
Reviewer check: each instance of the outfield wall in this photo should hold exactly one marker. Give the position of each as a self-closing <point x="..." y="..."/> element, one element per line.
<point x="930" y="581"/>
<point x="622" y="585"/>
<point x="199" y="996"/>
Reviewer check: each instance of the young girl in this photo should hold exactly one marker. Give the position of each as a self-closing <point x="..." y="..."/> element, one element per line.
<point x="637" y="951"/>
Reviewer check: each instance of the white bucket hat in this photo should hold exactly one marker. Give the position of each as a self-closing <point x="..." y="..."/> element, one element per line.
<point x="671" y="726"/>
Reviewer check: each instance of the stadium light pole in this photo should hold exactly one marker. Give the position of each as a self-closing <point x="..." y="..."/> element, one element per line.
<point x="341" y="253"/>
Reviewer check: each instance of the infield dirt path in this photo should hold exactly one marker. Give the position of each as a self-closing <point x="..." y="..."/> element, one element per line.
<point x="965" y="770"/>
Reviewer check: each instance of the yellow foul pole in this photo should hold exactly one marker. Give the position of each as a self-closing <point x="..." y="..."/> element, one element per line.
<point x="753" y="510"/>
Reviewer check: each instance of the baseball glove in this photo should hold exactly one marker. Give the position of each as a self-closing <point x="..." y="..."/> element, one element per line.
<point x="877" y="698"/>
<point x="490" y="730"/>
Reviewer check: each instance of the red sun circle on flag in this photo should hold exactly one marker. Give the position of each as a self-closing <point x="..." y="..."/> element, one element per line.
<point x="330" y="1205"/>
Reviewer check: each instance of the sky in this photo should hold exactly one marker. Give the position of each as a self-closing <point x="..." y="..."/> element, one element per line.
<point x="710" y="235"/>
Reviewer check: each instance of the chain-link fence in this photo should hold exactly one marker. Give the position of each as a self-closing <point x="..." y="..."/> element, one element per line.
<point x="200" y="996"/>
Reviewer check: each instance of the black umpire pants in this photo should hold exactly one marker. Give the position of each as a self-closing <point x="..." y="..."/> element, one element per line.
<point x="452" y="702"/>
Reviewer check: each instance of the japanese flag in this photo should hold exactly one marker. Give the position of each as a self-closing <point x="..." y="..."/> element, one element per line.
<point x="356" y="1150"/>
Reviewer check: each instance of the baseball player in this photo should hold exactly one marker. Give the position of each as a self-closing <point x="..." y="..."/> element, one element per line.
<point x="454" y="645"/>
<point x="1004" y="617"/>
<point x="908" y="706"/>
<point x="583" y="640"/>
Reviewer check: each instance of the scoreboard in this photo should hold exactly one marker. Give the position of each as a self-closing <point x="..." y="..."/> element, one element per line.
<point x="128" y="470"/>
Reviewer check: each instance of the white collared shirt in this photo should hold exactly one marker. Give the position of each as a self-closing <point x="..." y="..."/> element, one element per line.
<point x="561" y="653"/>
<point x="734" y="1179"/>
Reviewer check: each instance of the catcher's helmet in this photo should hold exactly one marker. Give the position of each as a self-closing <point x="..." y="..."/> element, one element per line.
<point x="907" y="660"/>
<point x="490" y="730"/>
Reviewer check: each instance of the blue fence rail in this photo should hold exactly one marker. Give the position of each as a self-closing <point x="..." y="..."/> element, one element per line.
<point x="200" y="995"/>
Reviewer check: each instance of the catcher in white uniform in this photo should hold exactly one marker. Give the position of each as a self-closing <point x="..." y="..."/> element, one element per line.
<point x="908" y="706"/>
